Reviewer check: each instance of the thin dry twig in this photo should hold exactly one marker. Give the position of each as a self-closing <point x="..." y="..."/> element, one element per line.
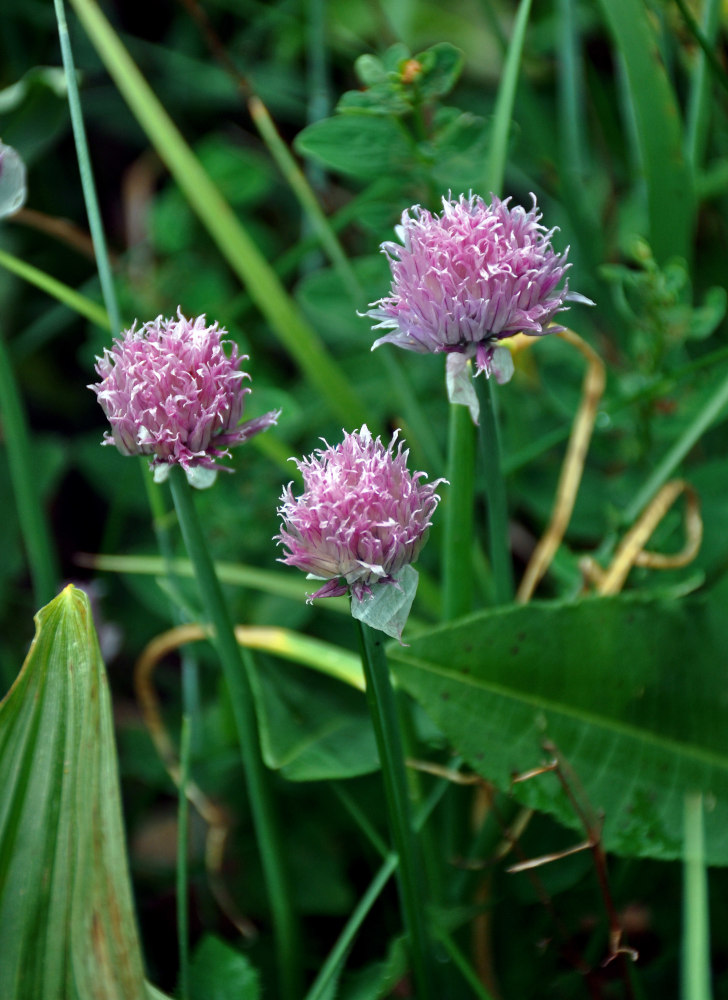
<point x="217" y="819"/>
<point x="631" y="551"/>
<point x="571" y="469"/>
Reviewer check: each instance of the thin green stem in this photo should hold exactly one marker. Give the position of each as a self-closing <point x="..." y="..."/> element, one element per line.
<point x="495" y="168"/>
<point x="495" y="493"/>
<point x="696" y="930"/>
<point x="36" y="535"/>
<point x="457" y="586"/>
<point x="322" y="985"/>
<point x="464" y="967"/>
<point x="56" y="289"/>
<point x="236" y="667"/>
<point x="87" y="178"/>
<point x="692" y="433"/>
<point x="383" y="711"/>
<point x="699" y="102"/>
<point x="183" y="815"/>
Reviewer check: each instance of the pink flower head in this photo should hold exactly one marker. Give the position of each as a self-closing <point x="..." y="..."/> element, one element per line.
<point x="361" y="518"/>
<point x="170" y="390"/>
<point x="470" y="277"/>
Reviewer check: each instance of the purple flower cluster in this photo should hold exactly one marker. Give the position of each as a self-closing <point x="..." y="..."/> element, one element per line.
<point x="469" y="277"/>
<point x="171" y="391"/>
<point x="361" y="518"/>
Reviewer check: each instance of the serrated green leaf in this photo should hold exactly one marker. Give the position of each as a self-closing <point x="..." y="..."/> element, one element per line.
<point x="66" y="912"/>
<point x="630" y="689"/>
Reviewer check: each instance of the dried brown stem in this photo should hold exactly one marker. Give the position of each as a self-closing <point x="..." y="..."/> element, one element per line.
<point x="571" y="470"/>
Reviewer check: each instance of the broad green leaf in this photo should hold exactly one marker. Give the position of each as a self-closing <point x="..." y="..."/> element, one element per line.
<point x="66" y="912"/>
<point x="219" y="972"/>
<point x="361" y="145"/>
<point x="631" y="690"/>
<point x="670" y="201"/>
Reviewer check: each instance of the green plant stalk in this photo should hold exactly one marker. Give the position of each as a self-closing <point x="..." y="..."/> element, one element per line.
<point x="42" y="560"/>
<point x="183" y="815"/>
<point x="495" y="167"/>
<point x="699" y="103"/>
<point x="235" y="664"/>
<point x="664" y="469"/>
<point x="56" y="289"/>
<point x="236" y="246"/>
<point x="696" y="930"/>
<point x="457" y="584"/>
<point x="305" y="195"/>
<point x="421" y="435"/>
<point x="383" y="711"/>
<point x="87" y="178"/>
<point x="464" y="967"/>
<point x="322" y="985"/>
<point x="495" y="493"/>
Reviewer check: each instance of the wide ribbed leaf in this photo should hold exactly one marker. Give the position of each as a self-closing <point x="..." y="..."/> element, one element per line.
<point x="631" y="690"/>
<point x="67" y="923"/>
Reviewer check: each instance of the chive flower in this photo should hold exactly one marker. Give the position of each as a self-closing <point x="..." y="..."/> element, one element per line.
<point x="466" y="279"/>
<point x="171" y="390"/>
<point x="361" y="518"/>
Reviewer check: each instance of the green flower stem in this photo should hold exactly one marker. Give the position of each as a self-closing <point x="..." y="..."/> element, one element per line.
<point x="235" y="665"/>
<point x="183" y="814"/>
<point x="495" y="493"/>
<point x="383" y="710"/>
<point x="87" y="178"/>
<point x="457" y="587"/>
<point x="696" y="931"/>
<point x="37" y="539"/>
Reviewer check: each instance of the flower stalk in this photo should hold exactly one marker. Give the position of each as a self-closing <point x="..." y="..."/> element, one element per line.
<point x="383" y="711"/>
<point x="495" y="494"/>
<point x="235" y="665"/>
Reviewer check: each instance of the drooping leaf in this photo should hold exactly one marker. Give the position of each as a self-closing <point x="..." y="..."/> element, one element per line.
<point x="68" y="926"/>
<point x="312" y="728"/>
<point x="631" y="691"/>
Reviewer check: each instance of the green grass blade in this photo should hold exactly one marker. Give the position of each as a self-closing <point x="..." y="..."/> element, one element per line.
<point x="241" y="253"/>
<point x="39" y="546"/>
<point x="87" y="178"/>
<point x="56" y="289"/>
<point x="670" y="201"/>
<point x="496" y="165"/>
<point x="708" y="413"/>
<point x="699" y="103"/>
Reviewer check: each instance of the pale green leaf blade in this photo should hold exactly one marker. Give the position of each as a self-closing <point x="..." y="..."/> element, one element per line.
<point x="69" y="931"/>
